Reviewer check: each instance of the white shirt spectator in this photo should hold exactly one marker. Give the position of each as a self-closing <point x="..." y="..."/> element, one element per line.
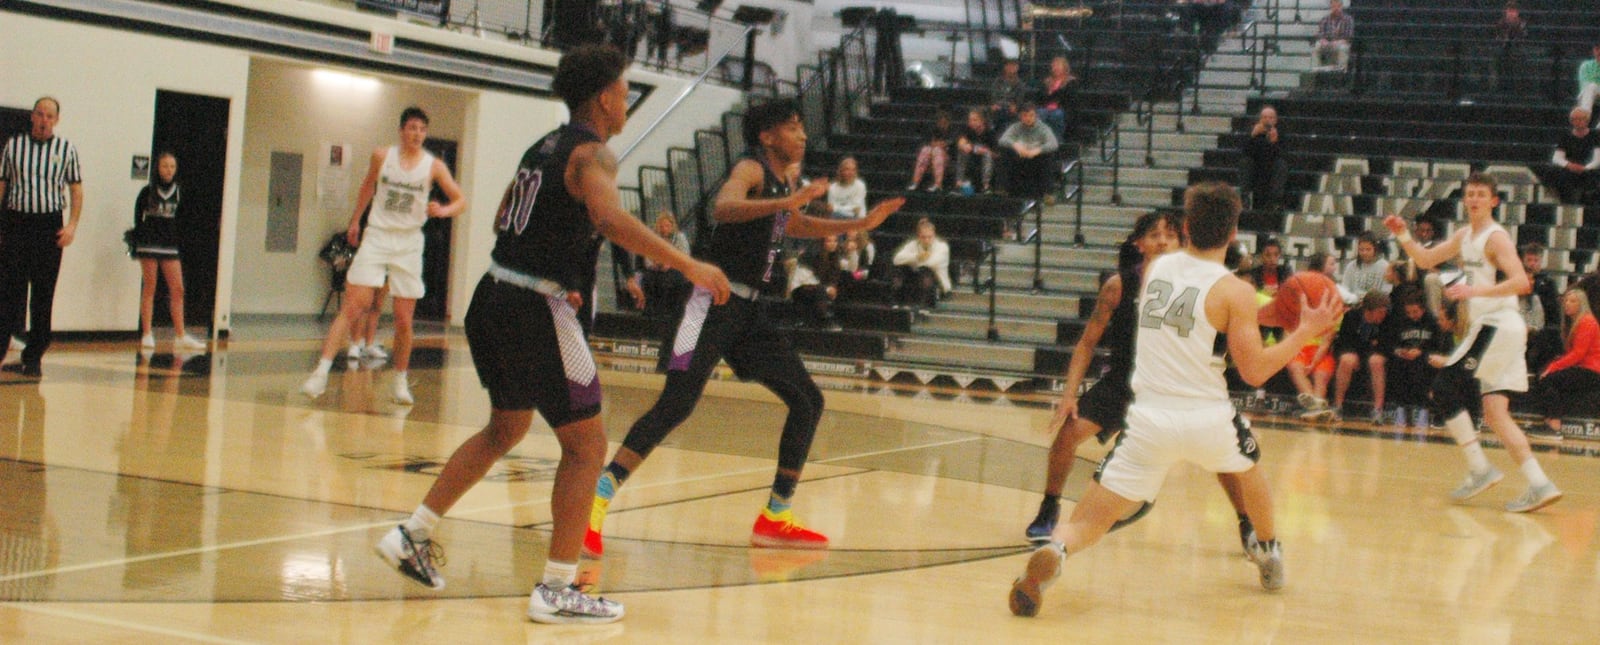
<point x="936" y="258"/>
<point x="848" y="201"/>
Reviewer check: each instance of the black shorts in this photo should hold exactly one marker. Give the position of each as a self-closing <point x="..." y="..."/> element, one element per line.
<point x="531" y="353"/>
<point x="1106" y="405"/>
<point x="740" y="332"/>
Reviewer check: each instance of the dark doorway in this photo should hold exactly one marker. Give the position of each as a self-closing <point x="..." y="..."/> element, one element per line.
<point x="195" y="129"/>
<point x="14" y="121"/>
<point x="435" y="302"/>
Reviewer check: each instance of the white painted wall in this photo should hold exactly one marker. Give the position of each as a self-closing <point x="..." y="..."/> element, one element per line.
<point x="107" y="81"/>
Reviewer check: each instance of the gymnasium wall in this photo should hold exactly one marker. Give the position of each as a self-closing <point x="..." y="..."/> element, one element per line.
<point x="107" y="81"/>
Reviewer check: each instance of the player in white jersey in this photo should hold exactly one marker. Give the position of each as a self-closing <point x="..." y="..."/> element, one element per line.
<point x="1181" y="411"/>
<point x="397" y="186"/>
<point x="1490" y="358"/>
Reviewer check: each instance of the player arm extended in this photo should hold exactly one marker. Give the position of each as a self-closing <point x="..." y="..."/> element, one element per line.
<point x="1231" y="307"/>
<point x="802" y="225"/>
<point x="592" y="180"/>
<point x="1083" y="353"/>
<point x="1426" y="258"/>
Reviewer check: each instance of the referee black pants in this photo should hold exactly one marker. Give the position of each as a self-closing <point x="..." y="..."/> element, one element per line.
<point x="30" y="262"/>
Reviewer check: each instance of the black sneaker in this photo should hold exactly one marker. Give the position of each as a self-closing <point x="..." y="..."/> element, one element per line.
<point x="1044" y="523"/>
<point x="1247" y="534"/>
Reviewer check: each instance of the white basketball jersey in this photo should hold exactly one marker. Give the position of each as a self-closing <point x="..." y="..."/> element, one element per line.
<point x="1479" y="270"/>
<point x="1174" y="350"/>
<point x="401" y="203"/>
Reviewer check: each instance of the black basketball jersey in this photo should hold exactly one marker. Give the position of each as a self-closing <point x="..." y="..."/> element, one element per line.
<point x="748" y="252"/>
<point x="1120" y="329"/>
<point x="542" y="231"/>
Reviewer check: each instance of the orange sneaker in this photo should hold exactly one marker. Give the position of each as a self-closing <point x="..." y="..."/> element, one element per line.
<point x="781" y="531"/>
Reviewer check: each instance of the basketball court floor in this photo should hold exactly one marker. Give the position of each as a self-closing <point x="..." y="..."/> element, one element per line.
<point x="202" y="499"/>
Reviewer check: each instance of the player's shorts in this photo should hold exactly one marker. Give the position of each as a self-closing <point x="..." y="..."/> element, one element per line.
<point x="739" y="331"/>
<point x="1106" y="405"/>
<point x="1493" y="352"/>
<point x="531" y="352"/>
<point x="1208" y="434"/>
<point x="1303" y="359"/>
<point x="392" y="254"/>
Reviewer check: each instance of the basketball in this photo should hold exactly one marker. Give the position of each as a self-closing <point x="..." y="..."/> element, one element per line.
<point x="1284" y="309"/>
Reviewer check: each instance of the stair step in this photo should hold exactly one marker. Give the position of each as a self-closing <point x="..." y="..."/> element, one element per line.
<point x="976" y="327"/>
<point x="996" y="356"/>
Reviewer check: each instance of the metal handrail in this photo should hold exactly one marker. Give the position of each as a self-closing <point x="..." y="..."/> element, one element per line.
<point x="678" y="100"/>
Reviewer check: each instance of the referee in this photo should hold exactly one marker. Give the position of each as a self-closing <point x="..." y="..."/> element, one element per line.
<point x="39" y="174"/>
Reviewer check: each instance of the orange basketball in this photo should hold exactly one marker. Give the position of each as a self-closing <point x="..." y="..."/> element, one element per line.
<point x="1284" y="310"/>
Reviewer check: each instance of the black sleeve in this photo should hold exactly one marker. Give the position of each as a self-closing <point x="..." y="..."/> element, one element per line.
<point x="138" y="205"/>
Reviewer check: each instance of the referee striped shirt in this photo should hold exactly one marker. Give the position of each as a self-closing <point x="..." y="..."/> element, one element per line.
<point x="37" y="173"/>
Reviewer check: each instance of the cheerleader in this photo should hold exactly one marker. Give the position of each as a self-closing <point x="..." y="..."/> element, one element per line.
<point x="155" y="245"/>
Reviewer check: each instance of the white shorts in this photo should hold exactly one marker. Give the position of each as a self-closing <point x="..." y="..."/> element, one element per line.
<point x="1501" y="364"/>
<point x="391" y="254"/>
<point x="1157" y="438"/>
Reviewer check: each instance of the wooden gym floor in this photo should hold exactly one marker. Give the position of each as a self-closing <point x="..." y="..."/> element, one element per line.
<point x="201" y="499"/>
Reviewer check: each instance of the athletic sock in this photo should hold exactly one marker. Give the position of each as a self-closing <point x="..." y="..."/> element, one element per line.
<point x="323" y="366"/>
<point x="611" y="479"/>
<point x="560" y="575"/>
<point x="782" y="490"/>
<point x="1535" y="474"/>
<point x="1466" y="436"/>
<point x="420" y="524"/>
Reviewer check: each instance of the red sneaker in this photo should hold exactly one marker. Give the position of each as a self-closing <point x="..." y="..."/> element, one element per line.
<point x="782" y="532"/>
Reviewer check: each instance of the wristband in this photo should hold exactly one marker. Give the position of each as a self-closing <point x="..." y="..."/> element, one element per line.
<point x="1404" y="236"/>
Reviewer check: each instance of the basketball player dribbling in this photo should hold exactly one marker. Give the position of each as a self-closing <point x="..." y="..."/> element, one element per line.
<point x="1181" y="410"/>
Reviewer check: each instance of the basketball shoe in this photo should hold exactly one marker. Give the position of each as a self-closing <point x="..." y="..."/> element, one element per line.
<point x="402" y="392"/>
<point x="1476" y="483"/>
<point x="415" y="559"/>
<point x="569" y="605"/>
<point x="781" y="531"/>
<point x="1247" y="533"/>
<point x="1269" y="557"/>
<point x="1536" y="498"/>
<point x="1045" y="522"/>
<point x="1044" y="567"/>
<point x="315" y="385"/>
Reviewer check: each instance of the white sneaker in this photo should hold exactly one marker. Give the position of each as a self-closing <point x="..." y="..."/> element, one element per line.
<point x="375" y="352"/>
<point x="417" y="560"/>
<point x="1477" y="483"/>
<point x="315" y="384"/>
<point x="1270" y="560"/>
<point x="149" y="340"/>
<point x="1044" y="567"/>
<point x="1535" y="499"/>
<point x="569" y="605"/>
<point x="402" y="392"/>
<point x="189" y="342"/>
<point x="355" y="352"/>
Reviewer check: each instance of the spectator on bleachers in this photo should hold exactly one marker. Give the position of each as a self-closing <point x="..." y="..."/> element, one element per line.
<point x="1540" y="309"/>
<point x="814" y="283"/>
<point x="860" y="253"/>
<point x="1263" y="170"/>
<point x="1509" y="33"/>
<point x="976" y="140"/>
<point x="1589" y="81"/>
<point x="922" y="268"/>
<point x="847" y="195"/>
<point x="1269" y="270"/>
<point x="1059" y="98"/>
<point x="934" y="153"/>
<point x="1359" y="344"/>
<point x="1027" y="153"/>
<point x="1312" y="369"/>
<point x="1574" y="168"/>
<point x="664" y="288"/>
<point x="1574" y="378"/>
<point x="1007" y="94"/>
<point x="1334" y="33"/>
<point x="1365" y="272"/>
<point x="1408" y="342"/>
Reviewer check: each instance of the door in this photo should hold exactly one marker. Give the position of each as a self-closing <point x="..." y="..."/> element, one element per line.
<point x="195" y="129"/>
<point x="435" y="301"/>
